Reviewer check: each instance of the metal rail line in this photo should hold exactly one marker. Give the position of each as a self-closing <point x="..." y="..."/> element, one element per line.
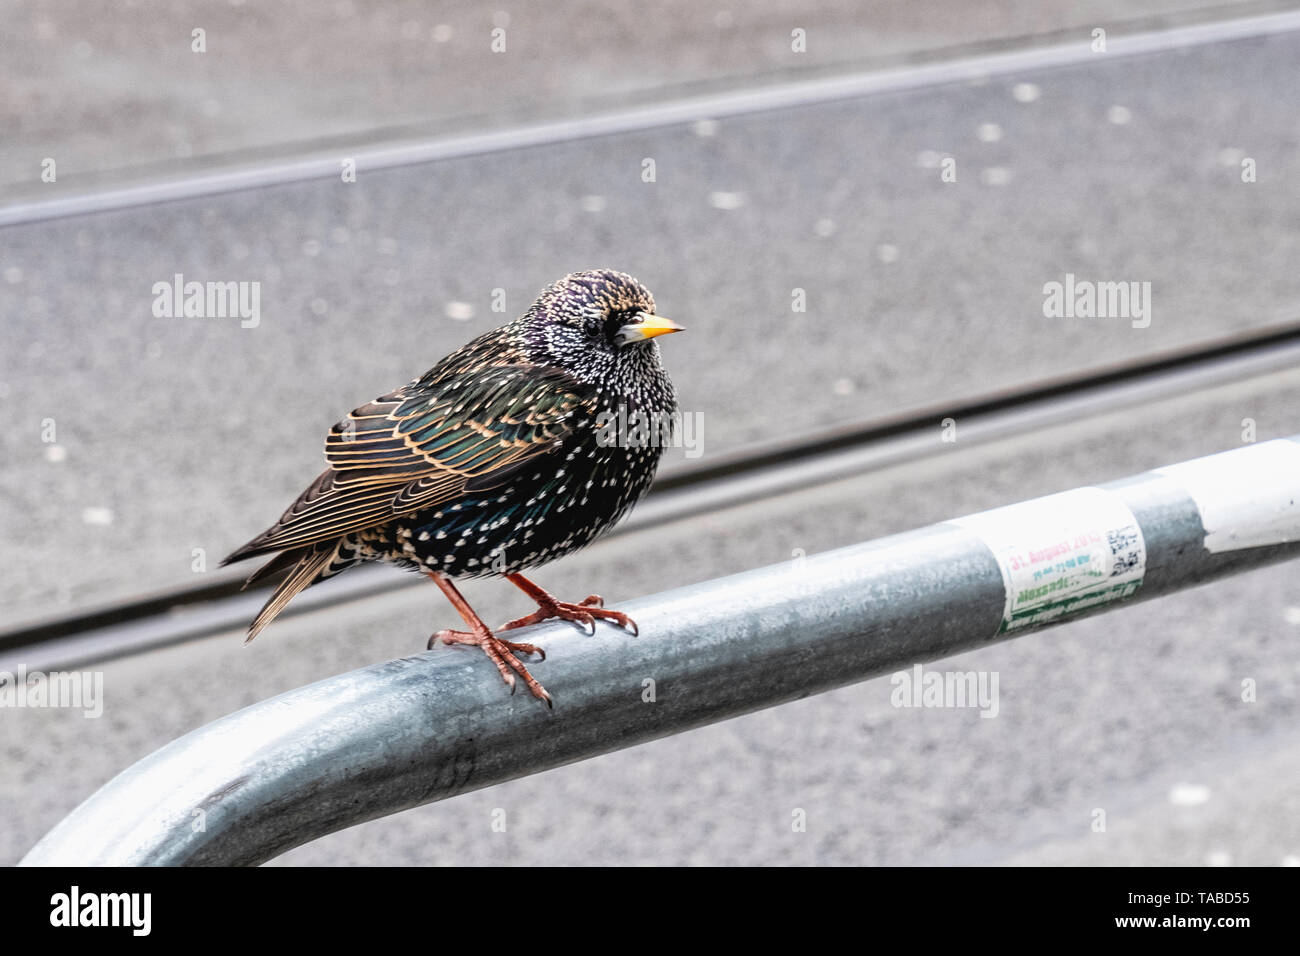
<point x="183" y="614"/>
<point x="324" y="163"/>
<point x="411" y="731"/>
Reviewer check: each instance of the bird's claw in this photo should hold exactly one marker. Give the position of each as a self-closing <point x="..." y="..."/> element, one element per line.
<point x="502" y="654"/>
<point x="618" y="617"/>
<point x="585" y="612"/>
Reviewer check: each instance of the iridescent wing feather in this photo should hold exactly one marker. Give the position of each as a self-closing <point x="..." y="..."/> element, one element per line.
<point x="424" y="445"/>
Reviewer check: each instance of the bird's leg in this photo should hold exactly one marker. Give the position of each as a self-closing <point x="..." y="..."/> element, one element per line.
<point x="584" y="612"/>
<point x="499" y="652"/>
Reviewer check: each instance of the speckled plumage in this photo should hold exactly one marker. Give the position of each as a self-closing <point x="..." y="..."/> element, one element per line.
<point x="492" y="461"/>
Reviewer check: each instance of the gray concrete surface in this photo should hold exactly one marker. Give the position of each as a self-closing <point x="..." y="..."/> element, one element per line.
<point x="1136" y="712"/>
<point x="120" y="95"/>
<point x="178" y="434"/>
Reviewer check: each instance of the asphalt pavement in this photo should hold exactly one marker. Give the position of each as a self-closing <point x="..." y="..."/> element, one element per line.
<point x="143" y="447"/>
<point x="179" y="438"/>
<point x="128" y="94"/>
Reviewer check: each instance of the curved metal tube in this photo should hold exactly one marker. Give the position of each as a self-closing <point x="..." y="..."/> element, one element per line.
<point x="411" y="731"/>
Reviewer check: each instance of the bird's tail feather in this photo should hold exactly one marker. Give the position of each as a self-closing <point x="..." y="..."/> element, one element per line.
<point x="313" y="565"/>
<point x="285" y="559"/>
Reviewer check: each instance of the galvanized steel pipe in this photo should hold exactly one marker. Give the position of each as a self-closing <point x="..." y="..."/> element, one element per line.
<point x="408" y="732"/>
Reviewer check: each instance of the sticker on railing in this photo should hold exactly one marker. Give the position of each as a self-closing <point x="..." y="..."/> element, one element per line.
<point x="1233" y="519"/>
<point x="1062" y="554"/>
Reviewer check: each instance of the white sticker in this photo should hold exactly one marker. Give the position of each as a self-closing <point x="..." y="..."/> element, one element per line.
<point x="1062" y="553"/>
<point x="1248" y="497"/>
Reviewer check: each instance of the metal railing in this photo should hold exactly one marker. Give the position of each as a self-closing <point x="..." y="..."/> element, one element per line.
<point x="411" y="731"/>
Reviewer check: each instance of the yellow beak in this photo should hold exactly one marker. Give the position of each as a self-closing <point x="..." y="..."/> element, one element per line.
<point x="646" y="326"/>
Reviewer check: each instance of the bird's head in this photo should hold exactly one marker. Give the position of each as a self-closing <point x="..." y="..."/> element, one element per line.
<point x="598" y="325"/>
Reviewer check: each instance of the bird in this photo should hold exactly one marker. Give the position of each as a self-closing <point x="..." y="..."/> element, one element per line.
<point x="504" y="456"/>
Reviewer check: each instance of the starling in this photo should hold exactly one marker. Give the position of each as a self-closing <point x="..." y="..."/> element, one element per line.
<point x="495" y="461"/>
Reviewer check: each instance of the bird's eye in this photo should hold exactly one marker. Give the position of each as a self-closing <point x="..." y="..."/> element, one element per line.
<point x="604" y="326"/>
<point x="617" y="320"/>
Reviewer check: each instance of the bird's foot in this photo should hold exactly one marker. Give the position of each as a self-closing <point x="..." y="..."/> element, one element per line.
<point x="584" y="612"/>
<point x="502" y="654"/>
